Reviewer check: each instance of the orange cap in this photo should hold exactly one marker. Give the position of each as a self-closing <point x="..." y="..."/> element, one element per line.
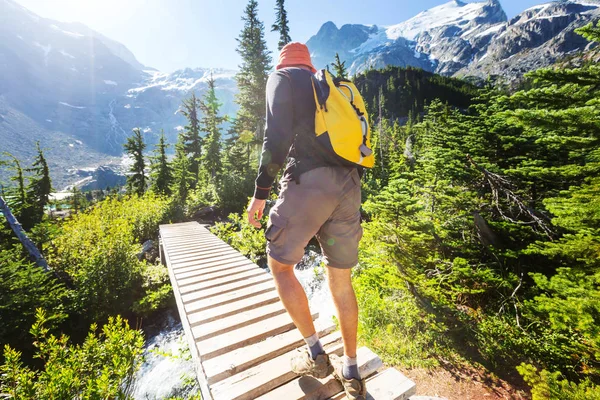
<point x="295" y="53"/>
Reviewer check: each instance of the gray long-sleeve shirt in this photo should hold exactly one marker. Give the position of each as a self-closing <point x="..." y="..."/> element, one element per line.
<point x="290" y="130"/>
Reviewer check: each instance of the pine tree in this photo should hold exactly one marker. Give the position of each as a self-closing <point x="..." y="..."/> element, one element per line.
<point x="136" y="181"/>
<point x="160" y="171"/>
<point x="16" y="196"/>
<point x="182" y="177"/>
<point x="191" y="136"/>
<point x="281" y="25"/>
<point x="211" y="124"/>
<point x="339" y="67"/>
<point x="253" y="74"/>
<point x="40" y="186"/>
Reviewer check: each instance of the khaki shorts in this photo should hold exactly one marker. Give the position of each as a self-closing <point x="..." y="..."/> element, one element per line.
<point x="326" y="203"/>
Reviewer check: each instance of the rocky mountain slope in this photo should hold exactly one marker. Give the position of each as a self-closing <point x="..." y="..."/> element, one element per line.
<point x="462" y="39"/>
<point x="80" y="94"/>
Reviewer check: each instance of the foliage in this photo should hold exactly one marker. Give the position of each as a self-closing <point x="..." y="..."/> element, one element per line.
<point x="281" y="24"/>
<point x="190" y="137"/>
<point x="136" y="181"/>
<point x="39" y="188"/>
<point x="409" y="90"/>
<point x="244" y="237"/>
<point x="212" y="166"/>
<point x="339" y="67"/>
<point x="97" y="252"/>
<point x="160" y="170"/>
<point x="253" y="73"/>
<point x="100" y="368"/>
<point x="24" y="287"/>
<point x="546" y="385"/>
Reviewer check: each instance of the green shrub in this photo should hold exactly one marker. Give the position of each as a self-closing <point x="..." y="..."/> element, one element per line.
<point x="547" y="385"/>
<point x="102" y="367"/>
<point x="97" y="251"/>
<point x="248" y="240"/>
<point x="24" y="286"/>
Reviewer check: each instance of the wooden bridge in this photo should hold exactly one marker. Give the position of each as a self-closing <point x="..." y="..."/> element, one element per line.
<point x="239" y="334"/>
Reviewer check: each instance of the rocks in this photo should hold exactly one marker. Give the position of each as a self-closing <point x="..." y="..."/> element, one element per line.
<point x="149" y="251"/>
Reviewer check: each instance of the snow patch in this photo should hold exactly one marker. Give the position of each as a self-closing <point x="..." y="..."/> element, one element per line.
<point x="491" y="30"/>
<point x="128" y="106"/>
<point x="417" y="54"/>
<point x="69" y="33"/>
<point x="70" y="105"/>
<point x="64" y="53"/>
<point x="109" y="82"/>
<point x="46" y="49"/>
<point x="79" y="142"/>
<point x="71" y="145"/>
<point x="446" y="14"/>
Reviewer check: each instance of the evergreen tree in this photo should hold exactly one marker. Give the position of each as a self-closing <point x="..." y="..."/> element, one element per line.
<point x="40" y="186"/>
<point x="136" y="181"/>
<point x="182" y="177"/>
<point x="160" y="171"/>
<point x="16" y="196"/>
<point x="253" y="74"/>
<point x="281" y="24"/>
<point x="339" y="67"/>
<point x="191" y="136"/>
<point x="211" y="124"/>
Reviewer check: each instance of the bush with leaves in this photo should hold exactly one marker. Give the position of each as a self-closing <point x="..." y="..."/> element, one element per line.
<point x="248" y="240"/>
<point x="102" y="367"/>
<point x="24" y="286"/>
<point x="97" y="252"/>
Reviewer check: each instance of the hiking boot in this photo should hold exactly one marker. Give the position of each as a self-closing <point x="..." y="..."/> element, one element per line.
<point x="303" y="364"/>
<point x="355" y="389"/>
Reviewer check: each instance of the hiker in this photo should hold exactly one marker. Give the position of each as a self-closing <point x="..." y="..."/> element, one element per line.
<point x="320" y="195"/>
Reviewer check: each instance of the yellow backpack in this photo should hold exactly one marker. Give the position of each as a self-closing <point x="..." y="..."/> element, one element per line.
<point x="341" y="120"/>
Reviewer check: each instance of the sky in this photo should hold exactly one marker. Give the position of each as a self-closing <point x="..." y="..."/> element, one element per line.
<point x="174" y="34"/>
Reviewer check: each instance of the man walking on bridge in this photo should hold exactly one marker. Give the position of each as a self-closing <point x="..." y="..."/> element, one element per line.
<point x="320" y="195"/>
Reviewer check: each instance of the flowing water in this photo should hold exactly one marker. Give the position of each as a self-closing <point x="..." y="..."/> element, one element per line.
<point x="169" y="371"/>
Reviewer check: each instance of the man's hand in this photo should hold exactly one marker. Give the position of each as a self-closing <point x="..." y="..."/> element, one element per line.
<point x="255" y="211"/>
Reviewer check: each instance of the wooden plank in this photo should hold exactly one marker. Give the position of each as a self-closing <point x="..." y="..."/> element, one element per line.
<point x="229" y="297"/>
<point x="232" y="308"/>
<point x="178" y="241"/>
<point x="192" y="285"/>
<point x="220" y="273"/>
<point x="203" y="249"/>
<point x="236" y="361"/>
<point x="198" y="255"/>
<point x="307" y="387"/>
<point x="258" y="380"/>
<point x="193" y="240"/>
<point x="239" y="320"/>
<point x="179" y="245"/>
<point x="245" y="336"/>
<point x="390" y="384"/>
<point x="209" y="261"/>
<point x="204" y="294"/>
<point x="202" y="270"/>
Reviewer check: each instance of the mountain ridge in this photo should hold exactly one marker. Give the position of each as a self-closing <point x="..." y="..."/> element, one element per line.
<point x="452" y="38"/>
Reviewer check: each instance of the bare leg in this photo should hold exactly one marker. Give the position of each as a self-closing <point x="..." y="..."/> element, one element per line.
<point x="292" y="296"/>
<point x="340" y="284"/>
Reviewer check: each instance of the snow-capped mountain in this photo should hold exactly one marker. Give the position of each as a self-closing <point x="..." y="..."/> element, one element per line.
<point x="80" y="93"/>
<point x="459" y="38"/>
